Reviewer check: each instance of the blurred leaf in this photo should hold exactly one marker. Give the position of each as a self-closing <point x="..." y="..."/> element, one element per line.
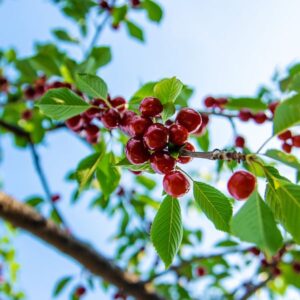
<point x="203" y="141"/>
<point x="124" y="163"/>
<point x="119" y="14"/>
<point x="134" y="30"/>
<point x="61" y="285"/>
<point x="254" y="104"/>
<point x="167" y="90"/>
<point x="154" y="11"/>
<point x="64" y="36"/>
<point x="146" y="182"/>
<point x="287" y="159"/>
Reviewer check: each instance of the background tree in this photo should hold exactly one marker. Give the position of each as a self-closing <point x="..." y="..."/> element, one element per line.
<point x="52" y="90"/>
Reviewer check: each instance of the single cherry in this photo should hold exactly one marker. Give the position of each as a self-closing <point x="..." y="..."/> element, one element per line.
<point x="119" y="103"/>
<point x="241" y="185"/>
<point x="138" y="126"/>
<point x="209" y="102"/>
<point x="296" y="267"/>
<point x="156" y="137"/>
<point x="126" y="119"/>
<point x="162" y="162"/>
<point x="272" y="106"/>
<point x="27" y="114"/>
<point x="151" y="107"/>
<point x="110" y="119"/>
<point x="286" y="135"/>
<point x="245" y="115"/>
<point x="296" y="141"/>
<point x="75" y="123"/>
<point x="136" y="152"/>
<point x="190" y="119"/>
<point x="178" y="134"/>
<point x="286" y="147"/>
<point x="92" y="130"/>
<point x="186" y="159"/>
<point x="93" y="112"/>
<point x="260" y="118"/>
<point x="29" y="92"/>
<point x="239" y="142"/>
<point x="80" y="291"/>
<point x="200" y="271"/>
<point x="55" y="197"/>
<point x="255" y="251"/>
<point x="176" y="184"/>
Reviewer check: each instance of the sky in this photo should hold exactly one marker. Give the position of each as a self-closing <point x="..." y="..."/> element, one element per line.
<point x="217" y="47"/>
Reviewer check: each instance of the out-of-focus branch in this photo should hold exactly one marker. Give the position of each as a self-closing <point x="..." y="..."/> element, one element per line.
<point x="25" y="217"/>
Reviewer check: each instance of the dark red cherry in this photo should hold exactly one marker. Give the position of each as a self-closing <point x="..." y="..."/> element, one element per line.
<point x="178" y="134"/>
<point x="126" y="120"/>
<point x="286" y="135"/>
<point x="162" y="162"/>
<point x="151" y="107"/>
<point x="138" y="126"/>
<point x="110" y="119"/>
<point x="286" y="147"/>
<point x="176" y="184"/>
<point x="260" y="118"/>
<point x="296" y="141"/>
<point x="136" y="152"/>
<point x="190" y="119"/>
<point x="209" y="102"/>
<point x="156" y="137"/>
<point x="245" y="115"/>
<point x="75" y="123"/>
<point x="119" y="103"/>
<point x="239" y="142"/>
<point x="186" y="159"/>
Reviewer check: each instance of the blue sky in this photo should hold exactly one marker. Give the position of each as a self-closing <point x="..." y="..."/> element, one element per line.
<point x="219" y="47"/>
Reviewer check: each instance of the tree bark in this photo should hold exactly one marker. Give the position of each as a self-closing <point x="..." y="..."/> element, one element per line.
<point x="25" y="217"/>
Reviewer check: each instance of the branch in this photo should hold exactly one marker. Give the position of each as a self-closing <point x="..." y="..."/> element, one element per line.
<point x="25" y="217"/>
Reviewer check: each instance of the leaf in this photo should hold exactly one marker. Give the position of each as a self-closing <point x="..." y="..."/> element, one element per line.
<point x="64" y="36"/>
<point x="62" y="104"/>
<point x="284" y="201"/>
<point x="134" y="30"/>
<point x="287" y="159"/>
<point x="166" y="231"/>
<point x="146" y="182"/>
<point x="124" y="163"/>
<point x="119" y="14"/>
<point x="214" y="204"/>
<point x="254" y="223"/>
<point x="287" y="114"/>
<point x="254" y="104"/>
<point x="154" y="11"/>
<point x="146" y="90"/>
<point x="86" y="168"/>
<point x="45" y="63"/>
<point x="167" y="90"/>
<point x="203" y="141"/>
<point x="92" y="85"/>
<point x="61" y="285"/>
<point x="168" y="111"/>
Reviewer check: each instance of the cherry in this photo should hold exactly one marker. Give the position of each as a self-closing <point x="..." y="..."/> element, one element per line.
<point x="260" y="118"/>
<point x="75" y="123"/>
<point x="272" y="106"/>
<point x="151" y="107"/>
<point x="286" y="147"/>
<point x="93" y="112"/>
<point x="138" y="126"/>
<point x="276" y="272"/>
<point x="135" y="3"/>
<point x="27" y="114"/>
<point x="110" y="119"/>
<point x="186" y="159"/>
<point x="92" y="139"/>
<point x="190" y="119"/>
<point x="156" y="137"/>
<point x="209" y="102"/>
<point x="92" y="130"/>
<point x="178" y="134"/>
<point x="205" y="119"/>
<point x="80" y="291"/>
<point x="264" y="263"/>
<point x="136" y="152"/>
<point x="120" y="296"/>
<point x="241" y="185"/>
<point x="119" y="103"/>
<point x="104" y="4"/>
<point x="202" y="128"/>
<point x="3" y="84"/>
<point x="285" y="135"/>
<point x="239" y="142"/>
<point x="162" y="162"/>
<point x="176" y="184"/>
<point x="100" y="103"/>
<point x="221" y="102"/>
<point x="296" y="141"/>
<point x="126" y="120"/>
<point x="55" y="197"/>
<point x="255" y="251"/>
<point x="200" y="271"/>
<point x="168" y="123"/>
<point x="245" y="115"/>
<point x="29" y="92"/>
<point x="296" y="267"/>
<point x="136" y="172"/>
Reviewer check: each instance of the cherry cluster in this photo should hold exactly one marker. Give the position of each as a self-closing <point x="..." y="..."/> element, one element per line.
<point x="211" y="102"/>
<point x="160" y="143"/>
<point x="289" y="141"/>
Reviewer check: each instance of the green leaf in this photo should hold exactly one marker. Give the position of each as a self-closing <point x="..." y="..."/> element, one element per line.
<point x="287" y="114"/>
<point x="86" y="168"/>
<point x="203" y="141"/>
<point x="168" y="111"/>
<point x="146" y="182"/>
<point x="64" y="36"/>
<point x="124" y="163"/>
<point x="119" y="14"/>
<point x="184" y="96"/>
<point x="146" y="90"/>
<point x="92" y="85"/>
<point x="134" y="30"/>
<point x="61" y="285"/>
<point x="214" y="204"/>
<point x="154" y="11"/>
<point x="62" y="104"/>
<point x="167" y="90"/>
<point x="287" y="159"/>
<point x="255" y="223"/>
<point x="284" y="200"/>
<point x="254" y="104"/>
<point x="166" y="231"/>
<point x="46" y="64"/>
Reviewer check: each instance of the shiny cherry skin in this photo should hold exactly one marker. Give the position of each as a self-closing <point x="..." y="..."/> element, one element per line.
<point x="178" y="134"/>
<point x="162" y="162"/>
<point x="75" y="123"/>
<point x="151" y="107"/>
<point x="245" y="115"/>
<point x="209" y="102"/>
<point x="156" y="137"/>
<point x="186" y="159"/>
<point x="260" y="118"/>
<point x="176" y="184"/>
<point x="136" y="152"/>
<point x="126" y="119"/>
<point x="190" y="119"/>
<point x="286" y="147"/>
<point x="138" y="126"/>
<point x="239" y="142"/>
<point x="286" y="135"/>
<point x="92" y="130"/>
<point x="110" y="119"/>
<point x="119" y="103"/>
<point x="241" y="185"/>
<point x="272" y="106"/>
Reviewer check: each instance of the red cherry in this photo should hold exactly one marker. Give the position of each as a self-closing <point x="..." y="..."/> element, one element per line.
<point x="93" y="112"/>
<point x="3" y="84"/>
<point x="92" y="139"/>
<point x="205" y="119"/>
<point x="162" y="162"/>
<point x="209" y="102"/>
<point x="239" y="142"/>
<point x="260" y="117"/>
<point x="27" y="114"/>
<point x="190" y="119"/>
<point x="126" y="120"/>
<point x="202" y="128"/>
<point x="135" y="3"/>
<point x="75" y="123"/>
<point x="136" y="172"/>
<point x="110" y="119"/>
<point x="296" y="141"/>
<point x="156" y="137"/>
<point x="151" y="107"/>
<point x="286" y="147"/>
<point x="276" y="271"/>
<point x="29" y="92"/>
<point x="285" y="135"/>
<point x="92" y="130"/>
<point x="176" y="184"/>
<point x="55" y="197"/>
<point x="186" y="159"/>
<point x="221" y="102"/>
<point x="296" y="267"/>
<point x="100" y="103"/>
<point x="119" y="103"/>
<point x="264" y="263"/>
<point x="272" y="106"/>
<point x="104" y="4"/>
<point x="136" y="152"/>
<point x="178" y="134"/>
<point x="255" y="251"/>
<point x="245" y="115"/>
<point x="200" y="271"/>
<point x="138" y="126"/>
<point x="168" y="123"/>
<point x="241" y="185"/>
<point x="80" y="291"/>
